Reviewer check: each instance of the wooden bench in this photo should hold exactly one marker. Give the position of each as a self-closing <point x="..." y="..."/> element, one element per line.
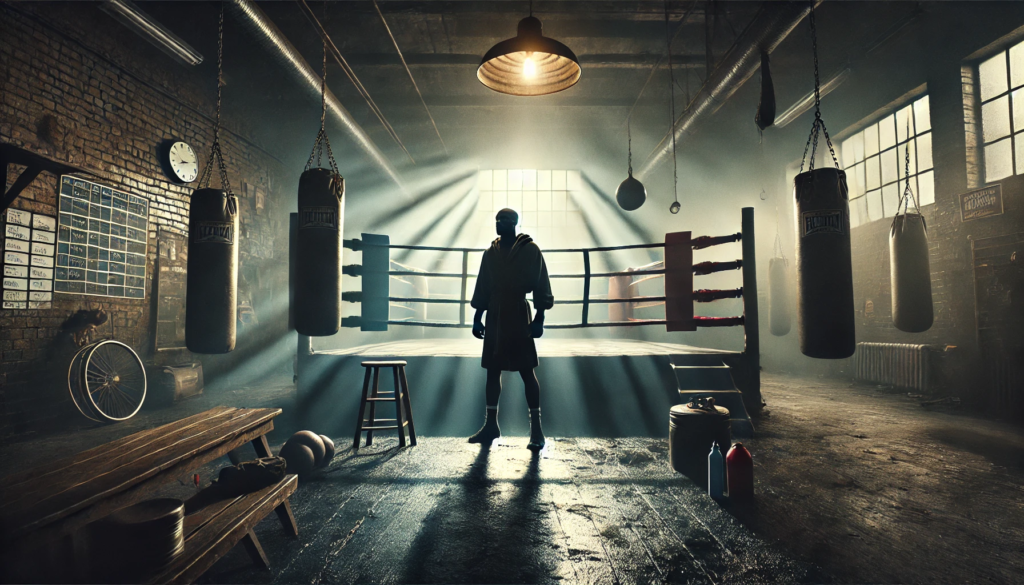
<point x="213" y="531"/>
<point x="41" y="505"/>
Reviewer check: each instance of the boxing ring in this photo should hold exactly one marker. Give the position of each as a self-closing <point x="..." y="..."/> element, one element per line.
<point x="589" y="386"/>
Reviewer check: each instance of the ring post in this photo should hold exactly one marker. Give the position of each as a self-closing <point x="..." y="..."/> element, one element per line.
<point x="376" y="309"/>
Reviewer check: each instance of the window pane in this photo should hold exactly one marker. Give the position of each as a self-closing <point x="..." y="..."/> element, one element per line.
<point x="861" y="186"/>
<point x="998" y="161"/>
<point x="862" y="209"/>
<point x="570" y="202"/>
<point x="500" y="181"/>
<point x="871" y="140"/>
<point x="846" y="151"/>
<point x="890" y="168"/>
<point x="992" y="76"/>
<point x="573" y="180"/>
<point x="485" y="201"/>
<point x="529" y="179"/>
<point x="1017" y="65"/>
<point x="1018" y="110"/>
<point x="500" y="200"/>
<point x="558" y="200"/>
<point x="890" y="199"/>
<point x="873" y="174"/>
<point x="483" y="180"/>
<point x="925" y="188"/>
<point x="544" y="201"/>
<point x="853" y="179"/>
<point x="995" y="119"/>
<point x="515" y="180"/>
<point x="1018" y="149"/>
<point x="923" y="114"/>
<point x="924" y="151"/>
<point x="903" y="118"/>
<point x="529" y="201"/>
<point x="887" y="132"/>
<point x="874" y="199"/>
<point x="515" y="200"/>
<point x="558" y="180"/>
<point x="543" y="180"/>
<point x="855" y="212"/>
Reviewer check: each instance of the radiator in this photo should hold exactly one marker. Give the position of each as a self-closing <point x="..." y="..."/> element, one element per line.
<point x="904" y="365"/>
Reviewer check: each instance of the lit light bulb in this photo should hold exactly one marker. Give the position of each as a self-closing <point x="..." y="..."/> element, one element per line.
<point x="529" y="68"/>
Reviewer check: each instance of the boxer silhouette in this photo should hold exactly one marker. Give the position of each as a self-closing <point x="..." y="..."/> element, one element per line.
<point x="511" y="267"/>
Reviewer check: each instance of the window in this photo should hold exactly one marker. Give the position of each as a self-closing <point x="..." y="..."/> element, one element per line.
<point x="546" y="202"/>
<point x="1001" y="81"/>
<point x="875" y="161"/>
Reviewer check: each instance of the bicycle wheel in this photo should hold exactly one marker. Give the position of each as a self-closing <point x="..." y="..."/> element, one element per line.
<point x="114" y="380"/>
<point x="76" y="386"/>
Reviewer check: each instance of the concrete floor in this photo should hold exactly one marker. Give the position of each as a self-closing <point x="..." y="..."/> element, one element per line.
<point x="854" y="484"/>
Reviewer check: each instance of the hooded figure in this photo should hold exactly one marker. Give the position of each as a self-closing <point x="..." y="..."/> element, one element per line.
<point x="507" y="274"/>
<point x="511" y="268"/>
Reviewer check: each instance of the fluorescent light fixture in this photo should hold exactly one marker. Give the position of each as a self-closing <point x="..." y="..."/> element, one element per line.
<point x="143" y="25"/>
<point x="807" y="102"/>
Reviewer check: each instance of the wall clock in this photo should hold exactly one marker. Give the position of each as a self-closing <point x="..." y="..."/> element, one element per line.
<point x="179" y="161"/>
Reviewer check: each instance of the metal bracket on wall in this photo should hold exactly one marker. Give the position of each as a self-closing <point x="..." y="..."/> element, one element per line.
<point x="35" y="164"/>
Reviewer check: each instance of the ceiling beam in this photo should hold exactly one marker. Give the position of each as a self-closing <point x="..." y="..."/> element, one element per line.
<point x="617" y="61"/>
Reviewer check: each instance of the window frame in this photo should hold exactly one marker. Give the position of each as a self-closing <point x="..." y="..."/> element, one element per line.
<point x="878" y="193"/>
<point x="1015" y="134"/>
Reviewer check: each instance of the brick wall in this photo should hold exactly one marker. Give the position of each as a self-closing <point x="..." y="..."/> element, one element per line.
<point x="104" y="101"/>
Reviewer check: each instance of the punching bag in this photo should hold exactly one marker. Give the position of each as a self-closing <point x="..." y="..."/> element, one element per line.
<point x="317" y="306"/>
<point x="210" y="307"/>
<point x="910" y="273"/>
<point x="765" y="115"/>
<point x="823" y="264"/>
<point x="778" y="296"/>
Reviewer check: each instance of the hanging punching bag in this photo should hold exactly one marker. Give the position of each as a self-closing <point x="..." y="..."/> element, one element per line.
<point x="317" y="306"/>
<point x="910" y="273"/>
<point x="778" y="296"/>
<point x="210" y="307"/>
<point x="765" y="115"/>
<point x="823" y="264"/>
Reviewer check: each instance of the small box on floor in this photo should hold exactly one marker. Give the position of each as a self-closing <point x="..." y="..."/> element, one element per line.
<point x="171" y="384"/>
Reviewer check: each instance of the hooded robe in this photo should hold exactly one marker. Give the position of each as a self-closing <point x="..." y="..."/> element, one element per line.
<point x="506" y="276"/>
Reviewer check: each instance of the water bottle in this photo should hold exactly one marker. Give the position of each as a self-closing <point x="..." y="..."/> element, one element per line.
<point x="716" y="473"/>
<point x="741" y="473"/>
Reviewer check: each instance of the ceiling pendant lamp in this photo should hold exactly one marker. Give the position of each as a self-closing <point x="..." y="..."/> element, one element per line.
<point x="529" y="64"/>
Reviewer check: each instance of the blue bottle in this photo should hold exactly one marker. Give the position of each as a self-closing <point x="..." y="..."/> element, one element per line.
<point x="716" y="473"/>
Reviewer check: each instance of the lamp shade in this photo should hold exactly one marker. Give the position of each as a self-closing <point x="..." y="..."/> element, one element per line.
<point x="529" y="64"/>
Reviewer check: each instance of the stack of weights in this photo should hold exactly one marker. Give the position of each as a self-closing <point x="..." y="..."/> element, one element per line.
<point x="692" y="429"/>
<point x="137" y="541"/>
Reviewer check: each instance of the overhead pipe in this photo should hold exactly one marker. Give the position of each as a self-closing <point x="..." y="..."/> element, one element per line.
<point x="773" y="23"/>
<point x="282" y="49"/>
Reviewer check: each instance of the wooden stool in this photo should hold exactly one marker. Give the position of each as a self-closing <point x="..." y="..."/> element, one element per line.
<point x="403" y="406"/>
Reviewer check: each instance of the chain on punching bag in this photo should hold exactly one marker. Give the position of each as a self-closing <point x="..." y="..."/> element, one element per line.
<point x="317" y="309"/>
<point x="824" y="267"/>
<point x="778" y="291"/>
<point x="910" y="270"/>
<point x="210" y="308"/>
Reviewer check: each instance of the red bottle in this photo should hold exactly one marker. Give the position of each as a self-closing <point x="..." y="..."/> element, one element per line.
<point x="740" y="469"/>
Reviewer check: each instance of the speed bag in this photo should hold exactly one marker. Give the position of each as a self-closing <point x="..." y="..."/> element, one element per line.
<point x="910" y="273"/>
<point x="212" y="280"/>
<point x="765" y="115"/>
<point x="823" y="265"/>
<point x="317" y="309"/>
<point x="778" y="298"/>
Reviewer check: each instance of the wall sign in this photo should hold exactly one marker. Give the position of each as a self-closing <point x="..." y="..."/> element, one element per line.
<point x="101" y="241"/>
<point x="980" y="203"/>
<point x="29" y="244"/>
